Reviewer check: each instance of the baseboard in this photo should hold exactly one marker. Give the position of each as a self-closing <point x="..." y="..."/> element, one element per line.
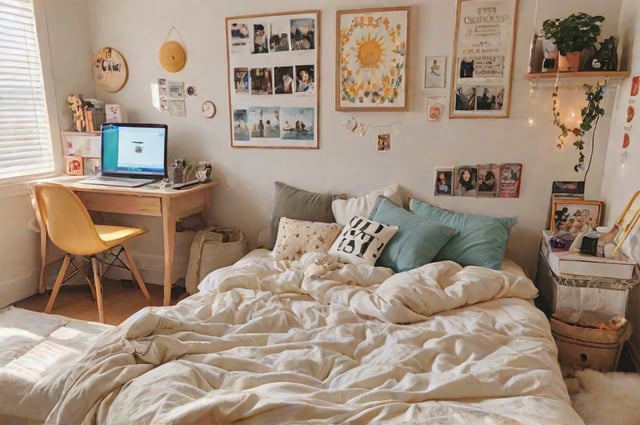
<point x="18" y="289"/>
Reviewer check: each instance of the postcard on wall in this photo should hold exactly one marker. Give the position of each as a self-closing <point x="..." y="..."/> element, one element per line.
<point x="384" y="142"/>
<point x="435" y="71"/>
<point x="488" y="178"/>
<point x="483" y="56"/>
<point x="435" y="107"/>
<point x="443" y="185"/>
<point x="510" y="180"/>
<point x="465" y="181"/>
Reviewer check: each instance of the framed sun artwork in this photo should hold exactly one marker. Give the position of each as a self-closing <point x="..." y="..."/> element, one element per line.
<point x="371" y="64"/>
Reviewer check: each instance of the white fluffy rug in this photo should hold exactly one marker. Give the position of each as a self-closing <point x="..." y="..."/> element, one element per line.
<point x="606" y="398"/>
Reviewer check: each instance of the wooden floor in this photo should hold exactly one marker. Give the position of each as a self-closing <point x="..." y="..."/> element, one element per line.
<point x="120" y="300"/>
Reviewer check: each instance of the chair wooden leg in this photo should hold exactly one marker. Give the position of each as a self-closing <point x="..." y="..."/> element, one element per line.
<point x="136" y="274"/>
<point x="96" y="279"/>
<point x="58" y="283"/>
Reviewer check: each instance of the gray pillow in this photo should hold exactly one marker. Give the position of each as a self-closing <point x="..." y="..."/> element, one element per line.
<point x="299" y="204"/>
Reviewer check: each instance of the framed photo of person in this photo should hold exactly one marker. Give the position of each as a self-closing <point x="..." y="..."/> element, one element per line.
<point x="372" y="47"/>
<point x="465" y="181"/>
<point x="483" y="58"/>
<point x="273" y="74"/>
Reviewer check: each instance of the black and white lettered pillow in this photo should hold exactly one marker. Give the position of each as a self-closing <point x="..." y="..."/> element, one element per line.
<point x="362" y="241"/>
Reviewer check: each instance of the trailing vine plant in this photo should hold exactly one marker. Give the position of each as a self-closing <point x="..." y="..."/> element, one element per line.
<point x="591" y="114"/>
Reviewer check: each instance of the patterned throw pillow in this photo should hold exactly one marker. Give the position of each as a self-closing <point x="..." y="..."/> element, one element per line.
<point x="362" y="241"/>
<point x="296" y="237"/>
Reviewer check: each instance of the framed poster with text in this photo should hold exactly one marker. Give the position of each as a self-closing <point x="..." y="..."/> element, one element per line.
<point x="273" y="77"/>
<point x="483" y="58"/>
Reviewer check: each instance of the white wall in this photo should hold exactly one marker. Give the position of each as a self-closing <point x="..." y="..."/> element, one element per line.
<point x="622" y="173"/>
<point x="344" y="162"/>
<point x="63" y="30"/>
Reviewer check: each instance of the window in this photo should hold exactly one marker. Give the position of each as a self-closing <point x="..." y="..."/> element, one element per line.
<point x="25" y="137"/>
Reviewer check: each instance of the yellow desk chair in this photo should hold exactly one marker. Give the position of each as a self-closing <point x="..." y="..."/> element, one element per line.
<point x="72" y="230"/>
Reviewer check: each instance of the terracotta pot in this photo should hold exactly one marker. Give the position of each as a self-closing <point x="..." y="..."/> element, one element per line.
<point x="570" y="62"/>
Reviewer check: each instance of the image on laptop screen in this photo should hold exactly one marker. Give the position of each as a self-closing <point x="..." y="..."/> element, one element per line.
<point x="134" y="150"/>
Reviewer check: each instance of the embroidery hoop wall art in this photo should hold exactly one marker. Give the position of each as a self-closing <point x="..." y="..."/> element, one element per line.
<point x="110" y="70"/>
<point x="371" y="63"/>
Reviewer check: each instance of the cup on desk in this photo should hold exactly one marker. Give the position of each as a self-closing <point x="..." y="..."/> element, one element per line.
<point x="202" y="175"/>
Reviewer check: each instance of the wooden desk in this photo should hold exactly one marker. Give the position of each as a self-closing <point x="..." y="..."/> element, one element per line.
<point x="169" y="204"/>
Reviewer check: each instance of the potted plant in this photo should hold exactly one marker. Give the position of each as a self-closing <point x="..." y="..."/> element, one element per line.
<point x="572" y="35"/>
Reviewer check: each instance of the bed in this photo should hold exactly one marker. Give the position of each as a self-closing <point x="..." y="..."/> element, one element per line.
<point x="313" y="339"/>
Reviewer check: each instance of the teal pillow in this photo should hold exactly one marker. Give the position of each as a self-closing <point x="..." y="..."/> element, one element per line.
<point x="480" y="241"/>
<point x="417" y="241"/>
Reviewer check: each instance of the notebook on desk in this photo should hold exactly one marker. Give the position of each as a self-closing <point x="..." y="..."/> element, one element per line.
<point x="133" y="155"/>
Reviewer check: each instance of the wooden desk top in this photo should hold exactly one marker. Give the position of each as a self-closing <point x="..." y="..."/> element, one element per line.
<point x="152" y="189"/>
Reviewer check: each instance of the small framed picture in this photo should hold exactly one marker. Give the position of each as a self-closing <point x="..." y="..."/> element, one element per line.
<point x="73" y="165"/>
<point x="572" y="215"/>
<point x="112" y="113"/>
<point x="435" y="70"/>
<point x="91" y="166"/>
<point x="443" y="185"/>
<point x="384" y="142"/>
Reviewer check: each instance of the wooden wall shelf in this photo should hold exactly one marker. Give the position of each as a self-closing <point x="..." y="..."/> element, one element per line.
<point x="580" y="74"/>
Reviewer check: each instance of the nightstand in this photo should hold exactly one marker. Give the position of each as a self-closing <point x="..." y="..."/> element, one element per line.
<point x="584" y="347"/>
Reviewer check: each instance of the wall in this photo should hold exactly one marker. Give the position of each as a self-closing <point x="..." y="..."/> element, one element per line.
<point x="345" y="162"/>
<point x="622" y="176"/>
<point x="63" y="31"/>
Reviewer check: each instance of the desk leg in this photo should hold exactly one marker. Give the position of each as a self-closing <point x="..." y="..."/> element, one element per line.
<point x="206" y="207"/>
<point x="42" y="283"/>
<point x="169" y="239"/>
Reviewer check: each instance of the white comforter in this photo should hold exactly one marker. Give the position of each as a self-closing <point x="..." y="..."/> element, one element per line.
<point x="264" y="344"/>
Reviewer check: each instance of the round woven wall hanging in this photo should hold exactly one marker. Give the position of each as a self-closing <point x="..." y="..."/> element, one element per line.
<point x="172" y="56"/>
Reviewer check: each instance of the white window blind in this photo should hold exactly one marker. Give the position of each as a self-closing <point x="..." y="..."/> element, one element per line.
<point x="25" y="138"/>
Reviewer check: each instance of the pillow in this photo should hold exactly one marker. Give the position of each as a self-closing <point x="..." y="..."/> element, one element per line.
<point x="344" y="209"/>
<point x="296" y="237"/>
<point x="362" y="241"/>
<point x="299" y="204"/>
<point x="417" y="241"/>
<point x="480" y="241"/>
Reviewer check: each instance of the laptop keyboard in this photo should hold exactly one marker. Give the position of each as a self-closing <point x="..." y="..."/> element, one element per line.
<point x="116" y="181"/>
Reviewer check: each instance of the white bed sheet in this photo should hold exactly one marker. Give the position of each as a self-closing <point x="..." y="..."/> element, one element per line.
<point x="264" y="343"/>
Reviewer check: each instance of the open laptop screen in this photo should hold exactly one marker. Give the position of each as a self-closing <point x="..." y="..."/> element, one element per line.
<point x="134" y="150"/>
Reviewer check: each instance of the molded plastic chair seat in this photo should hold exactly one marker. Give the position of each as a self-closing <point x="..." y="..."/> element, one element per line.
<point x="72" y="230"/>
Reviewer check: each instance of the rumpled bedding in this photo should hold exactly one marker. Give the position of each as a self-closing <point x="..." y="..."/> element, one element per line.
<point x="269" y="342"/>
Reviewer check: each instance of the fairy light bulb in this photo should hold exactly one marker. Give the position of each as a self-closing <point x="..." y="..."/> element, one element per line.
<point x="531" y="122"/>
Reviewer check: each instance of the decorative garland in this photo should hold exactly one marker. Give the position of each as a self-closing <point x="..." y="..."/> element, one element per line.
<point x="591" y="114"/>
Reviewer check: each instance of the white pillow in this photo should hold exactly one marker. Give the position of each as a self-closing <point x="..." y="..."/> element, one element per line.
<point x="362" y="241"/>
<point x="344" y="209"/>
<point x="297" y="237"/>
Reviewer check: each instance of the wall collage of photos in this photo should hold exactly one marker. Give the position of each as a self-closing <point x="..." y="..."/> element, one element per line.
<point x="482" y="180"/>
<point x="273" y="73"/>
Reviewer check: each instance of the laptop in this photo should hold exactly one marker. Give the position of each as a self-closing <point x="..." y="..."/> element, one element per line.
<point x="133" y="155"/>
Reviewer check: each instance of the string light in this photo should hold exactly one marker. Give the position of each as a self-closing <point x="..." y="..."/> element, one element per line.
<point x="352" y="125"/>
